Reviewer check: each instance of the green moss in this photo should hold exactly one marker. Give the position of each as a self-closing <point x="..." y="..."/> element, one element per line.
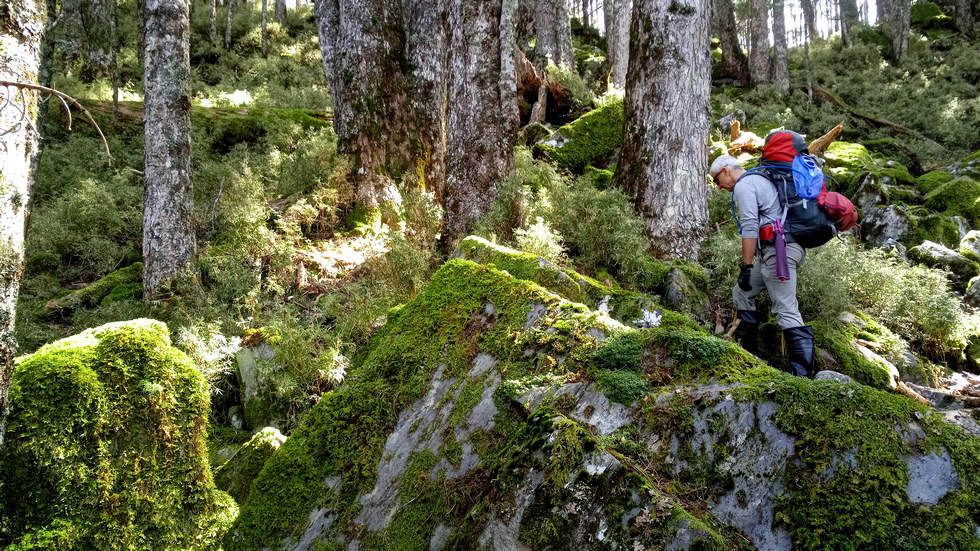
<point x="594" y="138"/>
<point x="126" y="291"/>
<point x="837" y="341"/>
<point x="974" y="157"/>
<point x="344" y="435"/>
<point x="930" y="181"/>
<point x="940" y="228"/>
<point x="236" y="476"/>
<point x="106" y="445"/>
<point x="625" y="387"/>
<point x="957" y="197"/>
<point x="97" y="291"/>
<point x="601" y="179"/>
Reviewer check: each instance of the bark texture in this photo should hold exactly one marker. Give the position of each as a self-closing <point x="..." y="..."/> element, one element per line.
<point x="385" y="64"/>
<point x="231" y="11"/>
<point x="482" y="116"/>
<point x="265" y="28"/>
<point x="213" y="21"/>
<point x="618" y="42"/>
<point x="733" y="59"/>
<point x="664" y="159"/>
<point x="964" y="17"/>
<point x="759" y="54"/>
<point x="169" y="242"/>
<point x="280" y="11"/>
<point x="553" y="30"/>
<point x="780" y="57"/>
<point x="849" y="18"/>
<point x="810" y="19"/>
<point x="21" y="30"/>
<point x="86" y="35"/>
<point x="894" y="17"/>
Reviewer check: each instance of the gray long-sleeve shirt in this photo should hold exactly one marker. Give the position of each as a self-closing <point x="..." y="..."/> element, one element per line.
<point x="758" y="204"/>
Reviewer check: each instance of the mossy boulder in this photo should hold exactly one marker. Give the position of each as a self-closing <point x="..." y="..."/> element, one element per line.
<point x="924" y="226"/>
<point x="930" y="181"/>
<point x="957" y="197"/>
<point x="490" y="413"/>
<point x="855" y="168"/>
<point x="970" y="246"/>
<point x="960" y="269"/>
<point x="592" y="139"/>
<point x="533" y="133"/>
<point x="122" y="283"/>
<point x="105" y="446"/>
<point x="236" y="475"/>
<point x="929" y="19"/>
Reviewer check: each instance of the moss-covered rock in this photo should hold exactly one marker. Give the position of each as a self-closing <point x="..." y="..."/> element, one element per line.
<point x="237" y="474"/>
<point x="940" y="228"/>
<point x="119" y="282"/>
<point x="929" y="19"/>
<point x="855" y="168"/>
<point x="930" y="181"/>
<point x="491" y="413"/>
<point x="592" y="139"/>
<point x="105" y="446"/>
<point x="956" y="197"/>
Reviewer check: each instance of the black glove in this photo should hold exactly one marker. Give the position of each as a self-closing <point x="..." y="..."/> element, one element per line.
<point x="745" y="277"/>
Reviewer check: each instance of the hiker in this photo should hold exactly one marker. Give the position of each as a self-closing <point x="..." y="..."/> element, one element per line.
<point x="758" y="209"/>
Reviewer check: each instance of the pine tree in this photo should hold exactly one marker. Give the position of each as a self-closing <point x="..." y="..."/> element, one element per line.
<point x="23" y="26"/>
<point x="169" y="241"/>
<point x="664" y="160"/>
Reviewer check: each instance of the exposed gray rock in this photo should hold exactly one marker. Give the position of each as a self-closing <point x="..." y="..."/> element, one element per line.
<point x="884" y="224"/>
<point x="910" y="370"/>
<point x="963" y="418"/>
<point x="934" y="255"/>
<point x="683" y="295"/>
<point x="970" y="245"/>
<point x="962" y="224"/>
<point x="254" y="364"/>
<point x="938" y="399"/>
<point x="930" y="478"/>
<point x="827" y="375"/>
<point x="592" y="406"/>
<point x="972" y="294"/>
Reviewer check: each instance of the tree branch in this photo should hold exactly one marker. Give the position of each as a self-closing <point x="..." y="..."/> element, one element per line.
<point x="64" y="97"/>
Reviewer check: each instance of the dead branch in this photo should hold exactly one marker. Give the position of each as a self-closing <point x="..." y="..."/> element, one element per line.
<point x="902" y="388"/>
<point x="37" y="87"/>
<point x="827" y="95"/>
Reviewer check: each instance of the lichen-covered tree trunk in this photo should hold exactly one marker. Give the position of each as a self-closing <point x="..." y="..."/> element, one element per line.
<point x="85" y="27"/>
<point x="553" y="31"/>
<point x="759" y="55"/>
<point x="964" y="17"/>
<point x="231" y="11"/>
<point x="810" y="19"/>
<point x="664" y="158"/>
<point x="265" y="28"/>
<point x="427" y="37"/>
<point x="780" y="58"/>
<point x="849" y="18"/>
<point x="169" y="241"/>
<point x="733" y="59"/>
<point x="586" y="8"/>
<point x="21" y="29"/>
<point x="280" y="14"/>
<point x="619" y="41"/>
<point x="385" y="64"/>
<point x="482" y="114"/>
<point x="213" y="21"/>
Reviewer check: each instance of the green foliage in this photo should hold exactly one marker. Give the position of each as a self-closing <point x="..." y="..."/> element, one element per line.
<point x="541" y="240"/>
<point x="594" y="138"/>
<point x="957" y="197"/>
<point x="569" y="79"/>
<point x="623" y="352"/>
<point x="105" y="446"/>
<point x="120" y="283"/>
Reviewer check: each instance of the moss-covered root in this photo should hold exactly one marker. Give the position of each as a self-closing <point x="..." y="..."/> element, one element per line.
<point x="121" y="283"/>
<point x="106" y="446"/>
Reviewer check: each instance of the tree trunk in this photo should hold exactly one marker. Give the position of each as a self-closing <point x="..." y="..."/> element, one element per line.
<point x="169" y="242"/>
<point x="810" y="19"/>
<point x="231" y="10"/>
<point x="524" y="23"/>
<point x="964" y="17"/>
<point x="619" y="42"/>
<point x="849" y="18"/>
<point x="759" y="54"/>
<point x="385" y="66"/>
<point x="585" y="13"/>
<point x="664" y="160"/>
<point x="893" y="15"/>
<point x="482" y="116"/>
<point x="607" y="20"/>
<point x="141" y="29"/>
<point x="213" y="21"/>
<point x="23" y="27"/>
<point x="553" y="30"/>
<point x="281" y="11"/>
<point x="265" y="28"/>
<point x="733" y="59"/>
<point x="780" y="59"/>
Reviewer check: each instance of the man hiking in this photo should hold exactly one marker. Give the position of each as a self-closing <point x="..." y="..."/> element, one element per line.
<point x="758" y="210"/>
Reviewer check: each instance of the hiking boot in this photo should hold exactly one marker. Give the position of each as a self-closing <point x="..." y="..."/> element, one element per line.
<point x="747" y="332"/>
<point x="799" y="350"/>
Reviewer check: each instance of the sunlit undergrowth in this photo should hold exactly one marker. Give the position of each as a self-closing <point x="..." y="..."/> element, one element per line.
<point x="913" y="301"/>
